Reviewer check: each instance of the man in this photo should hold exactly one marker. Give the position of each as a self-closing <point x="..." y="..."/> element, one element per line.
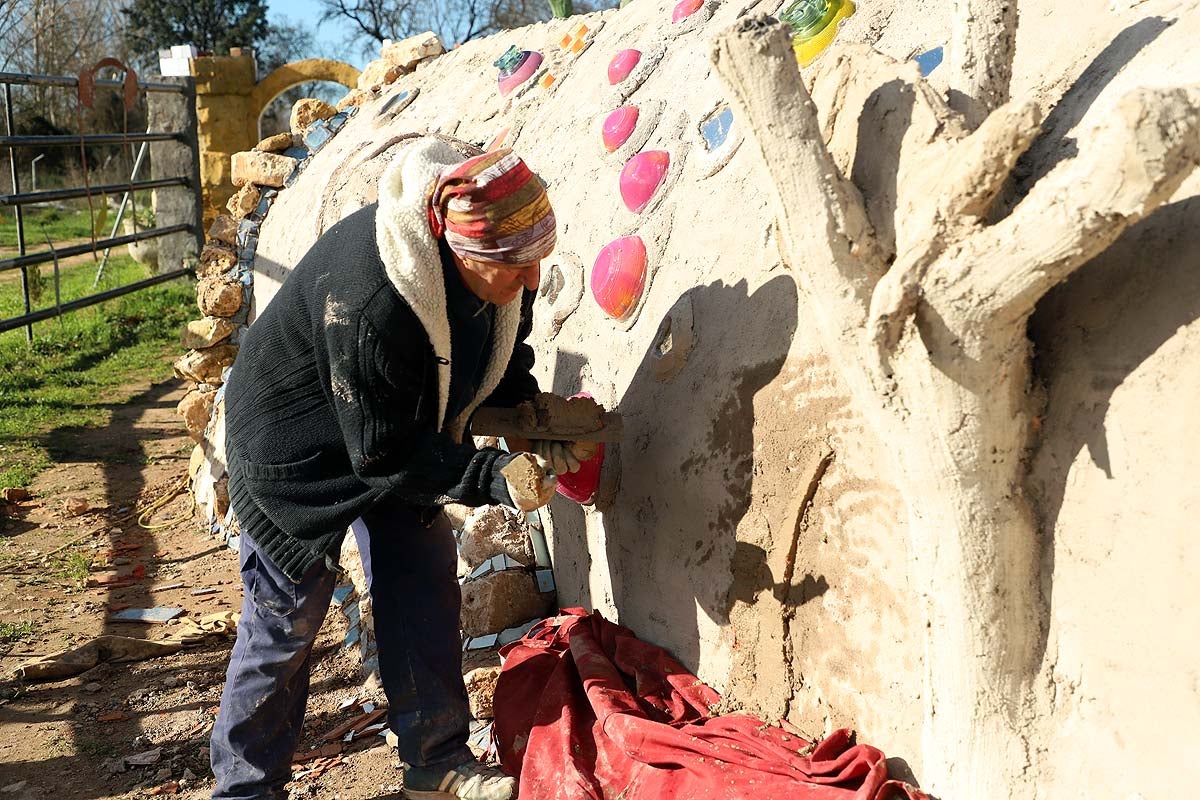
<point x="348" y="405"/>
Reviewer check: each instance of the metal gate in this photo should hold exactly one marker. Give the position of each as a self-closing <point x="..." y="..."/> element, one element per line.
<point x="18" y="200"/>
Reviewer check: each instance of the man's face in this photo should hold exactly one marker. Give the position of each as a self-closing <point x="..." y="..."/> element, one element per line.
<point x="499" y="284"/>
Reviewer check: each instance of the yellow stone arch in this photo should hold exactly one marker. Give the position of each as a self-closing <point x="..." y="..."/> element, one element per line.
<point x="289" y="75"/>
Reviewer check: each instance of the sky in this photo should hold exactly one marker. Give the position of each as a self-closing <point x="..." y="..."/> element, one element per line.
<point x="330" y="35"/>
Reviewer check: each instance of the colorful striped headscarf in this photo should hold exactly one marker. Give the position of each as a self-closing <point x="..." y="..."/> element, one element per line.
<point x="493" y="208"/>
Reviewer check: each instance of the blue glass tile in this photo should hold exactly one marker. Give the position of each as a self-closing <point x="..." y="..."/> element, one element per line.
<point x="391" y="103"/>
<point x="715" y="129"/>
<point x="929" y="60"/>
<point x="336" y="122"/>
<point x="318" y="136"/>
<point x="297" y="152"/>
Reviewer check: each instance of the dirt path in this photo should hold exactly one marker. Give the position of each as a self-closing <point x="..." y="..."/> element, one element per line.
<point x="67" y="738"/>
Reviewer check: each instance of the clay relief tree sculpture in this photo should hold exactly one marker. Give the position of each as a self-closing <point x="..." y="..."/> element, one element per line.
<point x="921" y="283"/>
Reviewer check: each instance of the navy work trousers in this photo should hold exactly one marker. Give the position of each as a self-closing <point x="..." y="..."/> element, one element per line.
<point x="415" y="597"/>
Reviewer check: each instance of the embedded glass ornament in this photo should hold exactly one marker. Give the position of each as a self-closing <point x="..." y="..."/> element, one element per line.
<point x="516" y="67"/>
<point x="715" y="129"/>
<point x="814" y="23"/>
<point x="619" y="276"/>
<point x="622" y="64"/>
<point x="929" y="60"/>
<point x="618" y="127"/>
<point x="641" y="177"/>
<point x="684" y="9"/>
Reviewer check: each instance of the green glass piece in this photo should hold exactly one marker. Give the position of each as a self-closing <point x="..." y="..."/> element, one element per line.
<point x="809" y="17"/>
<point x="508" y="61"/>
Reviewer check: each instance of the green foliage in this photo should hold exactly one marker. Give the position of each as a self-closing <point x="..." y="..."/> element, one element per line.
<point x="13" y="632"/>
<point x="82" y="364"/>
<point x="75" y="567"/>
<point x="561" y="8"/>
<point x="211" y="25"/>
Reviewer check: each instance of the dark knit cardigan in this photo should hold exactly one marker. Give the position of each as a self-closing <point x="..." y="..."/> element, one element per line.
<point x="336" y="400"/>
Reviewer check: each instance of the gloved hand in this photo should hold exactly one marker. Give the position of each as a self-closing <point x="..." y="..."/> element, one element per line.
<point x="564" y="456"/>
<point x="531" y="481"/>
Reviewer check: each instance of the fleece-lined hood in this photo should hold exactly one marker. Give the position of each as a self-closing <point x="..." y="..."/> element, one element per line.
<point x="410" y="256"/>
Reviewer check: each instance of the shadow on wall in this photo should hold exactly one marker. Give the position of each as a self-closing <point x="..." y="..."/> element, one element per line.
<point x="687" y="465"/>
<point x="1092" y="332"/>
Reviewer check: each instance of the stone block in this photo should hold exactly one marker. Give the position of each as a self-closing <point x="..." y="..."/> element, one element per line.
<point x="356" y="97"/>
<point x="204" y="366"/>
<point x="196" y="409"/>
<point x="201" y="333"/>
<point x="481" y="689"/>
<point x="407" y="53"/>
<point x="276" y="144"/>
<point x="223" y="229"/>
<point x="378" y="73"/>
<point x="245" y="201"/>
<point x="221" y="497"/>
<point x="307" y="111"/>
<point x="491" y="530"/>
<point x="500" y="600"/>
<point x="216" y="259"/>
<point x="264" y="169"/>
<point x="218" y="298"/>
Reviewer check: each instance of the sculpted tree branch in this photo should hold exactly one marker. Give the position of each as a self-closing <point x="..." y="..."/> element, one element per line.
<point x="983" y="39"/>
<point x="879" y="169"/>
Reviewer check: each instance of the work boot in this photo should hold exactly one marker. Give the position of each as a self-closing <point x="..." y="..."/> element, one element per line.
<point x="470" y="780"/>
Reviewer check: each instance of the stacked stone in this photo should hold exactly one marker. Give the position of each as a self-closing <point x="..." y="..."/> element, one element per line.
<point x="505" y="591"/>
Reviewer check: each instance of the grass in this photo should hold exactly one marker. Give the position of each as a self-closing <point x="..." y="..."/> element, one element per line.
<point x="13" y="632"/>
<point x="80" y="364"/>
<point x="58" y="224"/>
<point x="75" y="567"/>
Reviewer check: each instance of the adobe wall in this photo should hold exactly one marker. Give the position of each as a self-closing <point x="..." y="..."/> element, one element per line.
<point x="748" y="520"/>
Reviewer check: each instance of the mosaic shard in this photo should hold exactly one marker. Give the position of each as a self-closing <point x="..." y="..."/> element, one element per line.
<point x="715" y="129"/>
<point x="619" y="126"/>
<point x="619" y="276"/>
<point x="929" y="60"/>
<point x="684" y="9"/>
<point x="641" y="177"/>
<point x="516" y="67"/>
<point x="622" y="64"/>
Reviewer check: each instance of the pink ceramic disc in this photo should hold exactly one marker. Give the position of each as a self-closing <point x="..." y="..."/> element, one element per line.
<point x="622" y="64"/>
<point x="497" y="140"/>
<point x="685" y="8"/>
<point x="642" y="176"/>
<point x="618" y="127"/>
<point x="506" y="84"/>
<point x="581" y="486"/>
<point x="619" y="276"/>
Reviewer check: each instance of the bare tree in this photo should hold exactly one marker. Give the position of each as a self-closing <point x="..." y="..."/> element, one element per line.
<point x="56" y="37"/>
<point x="921" y="290"/>
<point x="455" y="21"/>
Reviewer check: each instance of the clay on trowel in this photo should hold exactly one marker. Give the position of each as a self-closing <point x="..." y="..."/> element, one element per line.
<point x="549" y="416"/>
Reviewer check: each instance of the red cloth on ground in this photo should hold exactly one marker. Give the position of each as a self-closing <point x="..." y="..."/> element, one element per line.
<point x="584" y="709"/>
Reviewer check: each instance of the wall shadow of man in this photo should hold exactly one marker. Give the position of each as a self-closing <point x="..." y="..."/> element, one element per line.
<point x="687" y="463"/>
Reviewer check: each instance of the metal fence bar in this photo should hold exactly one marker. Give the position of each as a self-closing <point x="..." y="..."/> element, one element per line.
<point x="87" y="247"/>
<point x="78" y="139"/>
<point x="91" y="300"/>
<point x="20" y="216"/>
<point x="71" y="81"/>
<point x="54" y="195"/>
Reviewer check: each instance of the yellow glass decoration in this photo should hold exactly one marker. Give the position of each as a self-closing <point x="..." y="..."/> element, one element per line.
<point x="815" y="23"/>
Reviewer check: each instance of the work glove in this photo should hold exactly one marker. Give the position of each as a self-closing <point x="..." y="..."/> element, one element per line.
<point x="564" y="456"/>
<point x="531" y="481"/>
